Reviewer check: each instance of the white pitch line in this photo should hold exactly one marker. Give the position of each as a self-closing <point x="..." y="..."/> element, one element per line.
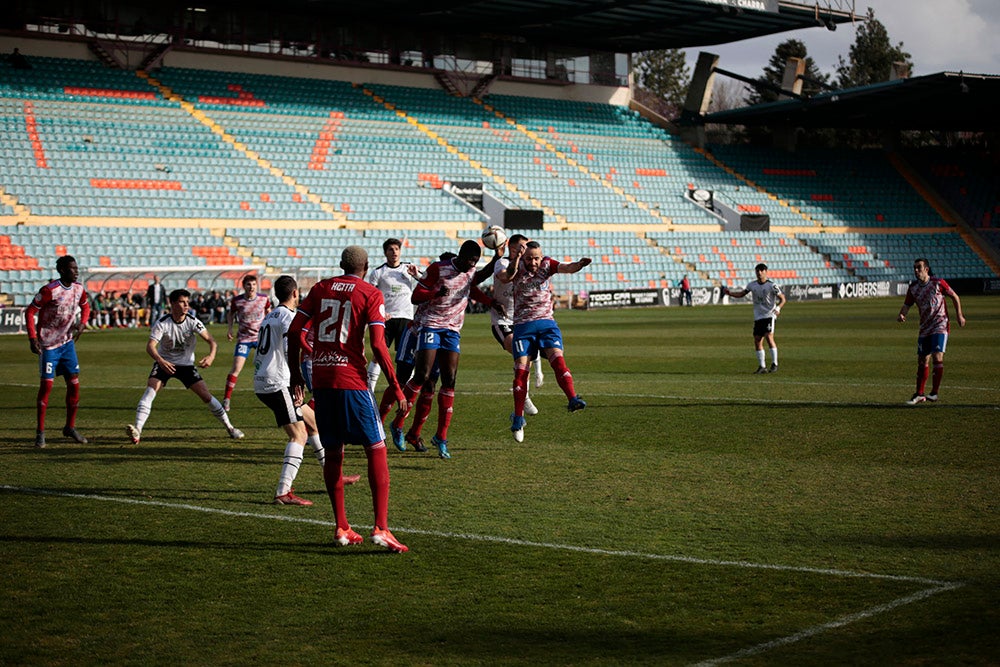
<point x="832" y="625"/>
<point x="934" y="586"/>
<point x="749" y="565"/>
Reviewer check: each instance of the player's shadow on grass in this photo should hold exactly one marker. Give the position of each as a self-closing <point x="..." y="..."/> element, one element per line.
<point x="940" y="542"/>
<point x="784" y="405"/>
<point x="319" y="548"/>
<point x="116" y="453"/>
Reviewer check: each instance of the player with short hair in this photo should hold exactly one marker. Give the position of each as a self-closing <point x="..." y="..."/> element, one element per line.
<point x="502" y="326"/>
<point x="929" y="292"/>
<point x="768" y="300"/>
<point x="171" y="344"/>
<point x="54" y="341"/>
<point x="394" y="278"/>
<point x="249" y="309"/>
<point x="340" y="309"/>
<point x="447" y="286"/>
<point x="406" y="361"/>
<point x="535" y="328"/>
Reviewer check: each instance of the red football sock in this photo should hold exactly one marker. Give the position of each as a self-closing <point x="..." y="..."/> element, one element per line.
<point x="563" y="376"/>
<point x="520" y="390"/>
<point x="424" y="404"/>
<point x="378" y="480"/>
<point x="921" y="378"/>
<point x="333" y="475"/>
<point x="446" y="403"/>
<point x="44" y="389"/>
<point x="385" y="405"/>
<point x="938" y="374"/>
<point x="410" y="391"/>
<point x="72" y="401"/>
<point x="230" y="385"/>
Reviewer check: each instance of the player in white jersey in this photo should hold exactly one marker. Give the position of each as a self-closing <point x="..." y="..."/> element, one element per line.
<point x="249" y="310"/>
<point x="171" y="344"/>
<point x="767" y="302"/>
<point x="395" y="279"/>
<point x="503" y="325"/>
<point x="54" y="341"/>
<point x="929" y="293"/>
<point x="535" y="328"/>
<point x="272" y="384"/>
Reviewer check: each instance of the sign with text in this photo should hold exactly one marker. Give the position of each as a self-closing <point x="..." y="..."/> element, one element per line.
<point x="624" y="298"/>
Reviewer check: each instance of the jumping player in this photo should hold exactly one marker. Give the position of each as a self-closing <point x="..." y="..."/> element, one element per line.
<point x="340" y="310"/>
<point x="502" y="326"/>
<point x="767" y="302"/>
<point x="249" y="308"/>
<point x="928" y="293"/>
<point x="54" y="341"/>
<point x="447" y="287"/>
<point x="171" y="344"/>
<point x="535" y="329"/>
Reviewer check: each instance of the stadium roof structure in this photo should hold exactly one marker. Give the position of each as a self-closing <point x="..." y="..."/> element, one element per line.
<point x="946" y="101"/>
<point x="624" y="26"/>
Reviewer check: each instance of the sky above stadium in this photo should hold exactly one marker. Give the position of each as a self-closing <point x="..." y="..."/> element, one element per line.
<point x="940" y="35"/>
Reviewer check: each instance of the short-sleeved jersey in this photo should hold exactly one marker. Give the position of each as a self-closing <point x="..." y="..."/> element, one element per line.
<point x="448" y="311"/>
<point x="57" y="306"/>
<point x="765" y="298"/>
<point x="396" y="286"/>
<point x="533" y="292"/>
<point x="176" y="340"/>
<point x="503" y="293"/>
<point x="270" y="364"/>
<point x="341" y="309"/>
<point x="250" y="312"/>
<point x="930" y="300"/>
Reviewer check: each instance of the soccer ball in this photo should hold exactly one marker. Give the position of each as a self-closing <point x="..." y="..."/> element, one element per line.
<point x="493" y="237"/>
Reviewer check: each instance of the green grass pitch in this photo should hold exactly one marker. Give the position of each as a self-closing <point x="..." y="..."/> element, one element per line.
<point x="692" y="514"/>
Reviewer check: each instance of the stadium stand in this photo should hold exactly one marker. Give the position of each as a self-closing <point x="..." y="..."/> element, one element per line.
<point x="969" y="181"/>
<point x="277" y="173"/>
<point x="834" y="188"/>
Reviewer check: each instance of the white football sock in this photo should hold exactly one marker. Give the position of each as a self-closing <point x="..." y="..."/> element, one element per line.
<point x="318" y="450"/>
<point x="290" y="468"/>
<point x="220" y="413"/>
<point x="760" y="358"/>
<point x="373" y="372"/>
<point x="143" y="409"/>
<point x="774" y="356"/>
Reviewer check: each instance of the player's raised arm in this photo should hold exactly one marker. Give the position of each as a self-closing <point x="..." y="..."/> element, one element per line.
<point x="514" y="266"/>
<point x="574" y="267"/>
<point x="487" y="271"/>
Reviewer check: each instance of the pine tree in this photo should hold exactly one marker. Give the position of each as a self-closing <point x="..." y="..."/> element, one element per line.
<point x="665" y="74"/>
<point x="871" y="56"/>
<point x="775" y="70"/>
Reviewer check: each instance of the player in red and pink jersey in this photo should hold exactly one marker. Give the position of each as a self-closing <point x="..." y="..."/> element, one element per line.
<point x="250" y="308"/>
<point x="929" y="293"/>
<point x="535" y="329"/>
<point x="447" y="287"/>
<point x="56" y="306"/>
<point x="339" y="310"/>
